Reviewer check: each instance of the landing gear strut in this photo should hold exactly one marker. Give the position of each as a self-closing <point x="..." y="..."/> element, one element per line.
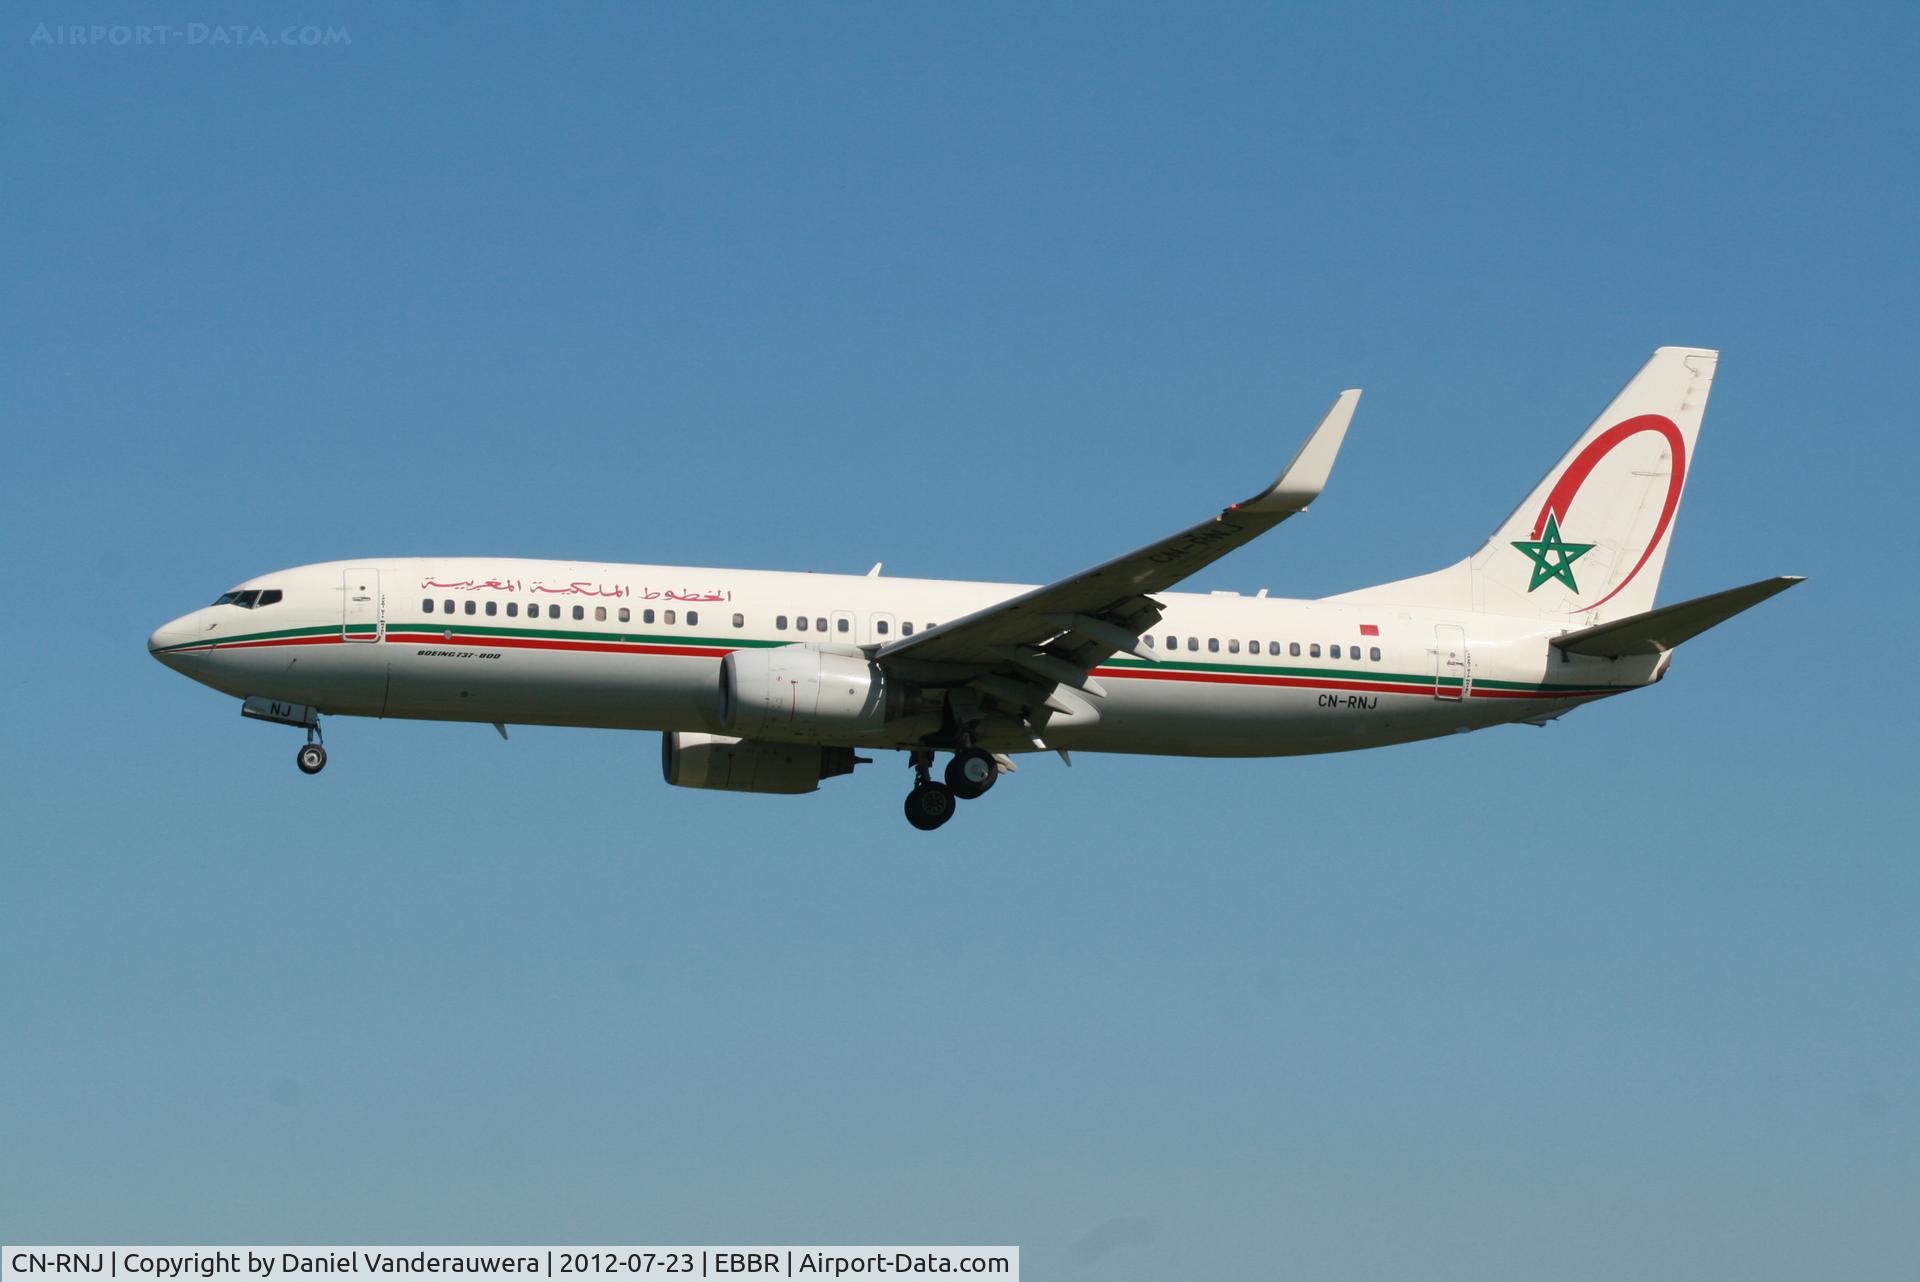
<point x="312" y="757"/>
<point x="930" y="804"/>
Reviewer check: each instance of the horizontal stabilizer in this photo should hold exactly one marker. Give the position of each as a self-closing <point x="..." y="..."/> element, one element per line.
<point x="1660" y="630"/>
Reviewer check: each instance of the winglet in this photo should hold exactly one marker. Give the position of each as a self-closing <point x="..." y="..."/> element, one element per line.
<point x="1307" y="475"/>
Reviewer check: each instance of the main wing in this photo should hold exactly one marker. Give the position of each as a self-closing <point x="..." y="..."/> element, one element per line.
<point x="1021" y="652"/>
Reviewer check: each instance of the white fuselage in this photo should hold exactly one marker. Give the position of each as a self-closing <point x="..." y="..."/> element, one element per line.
<point x="638" y="647"/>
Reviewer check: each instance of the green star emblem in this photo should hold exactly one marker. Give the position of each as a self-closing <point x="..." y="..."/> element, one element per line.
<point x="1552" y="558"/>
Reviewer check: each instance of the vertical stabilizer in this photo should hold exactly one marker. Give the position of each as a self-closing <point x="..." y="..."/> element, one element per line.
<point x="1589" y="543"/>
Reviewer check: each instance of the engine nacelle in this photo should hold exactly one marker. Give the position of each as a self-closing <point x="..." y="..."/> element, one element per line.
<point x="799" y="692"/>
<point x="746" y="765"/>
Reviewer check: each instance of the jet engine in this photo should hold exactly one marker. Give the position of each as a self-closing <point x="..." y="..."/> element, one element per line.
<point x="798" y="692"/>
<point x="746" y="765"/>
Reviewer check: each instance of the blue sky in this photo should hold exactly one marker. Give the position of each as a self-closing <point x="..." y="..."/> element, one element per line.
<point x="994" y="292"/>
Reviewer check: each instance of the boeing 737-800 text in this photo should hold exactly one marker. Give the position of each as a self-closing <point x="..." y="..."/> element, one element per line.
<point x="772" y="682"/>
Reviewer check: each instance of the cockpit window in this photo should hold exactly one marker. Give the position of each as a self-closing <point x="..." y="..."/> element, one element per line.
<point x="250" y="598"/>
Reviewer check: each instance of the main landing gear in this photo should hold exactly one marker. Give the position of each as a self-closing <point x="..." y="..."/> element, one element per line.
<point x="971" y="773"/>
<point x="968" y="775"/>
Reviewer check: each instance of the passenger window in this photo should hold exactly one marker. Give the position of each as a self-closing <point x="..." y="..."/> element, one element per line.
<point x="1213" y="645"/>
<point x="880" y="626"/>
<point x="646" y="616"/>
<point x="626" y="615"/>
<point x="579" y="612"/>
<point x="1233" y="646"/>
<point x="493" y="607"/>
<point x="427" y="605"/>
<point x="1193" y="643"/>
<point x="779" y="623"/>
<point x="447" y="606"/>
<point x="1314" y="649"/>
<point x="906" y="629"/>
<point x="841" y="625"/>
<point x="1374" y="654"/>
<point x="667" y="617"/>
<point x="693" y="617"/>
<point x="739" y="620"/>
<point x="820" y="625"/>
<point x="801" y="623"/>
<point x="473" y="607"/>
<point x="513" y="609"/>
<point x="1293" y="649"/>
<point x="599" y="614"/>
<point x="533" y="609"/>
<point x="1333" y="651"/>
<point x="1273" y="648"/>
<point x="1173" y="642"/>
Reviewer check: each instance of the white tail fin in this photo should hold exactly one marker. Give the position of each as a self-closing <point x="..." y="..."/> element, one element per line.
<point x="1588" y="544"/>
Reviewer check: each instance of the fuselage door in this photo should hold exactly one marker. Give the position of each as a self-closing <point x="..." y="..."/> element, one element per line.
<point x="363" y="611"/>
<point x="1452" y="666"/>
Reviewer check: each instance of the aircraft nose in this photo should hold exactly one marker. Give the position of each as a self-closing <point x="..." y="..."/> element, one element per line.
<point x="166" y="641"/>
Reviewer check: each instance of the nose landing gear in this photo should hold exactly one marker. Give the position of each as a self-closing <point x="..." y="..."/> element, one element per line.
<point x="312" y="757"/>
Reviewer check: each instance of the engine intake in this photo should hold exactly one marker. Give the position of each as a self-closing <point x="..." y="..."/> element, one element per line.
<point x="798" y="692"/>
<point x="746" y="765"/>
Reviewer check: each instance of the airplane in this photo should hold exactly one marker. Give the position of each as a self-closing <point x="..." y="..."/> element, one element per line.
<point x="772" y="682"/>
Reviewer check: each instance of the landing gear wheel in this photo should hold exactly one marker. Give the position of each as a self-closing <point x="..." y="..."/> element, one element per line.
<point x="312" y="759"/>
<point x="971" y="773"/>
<point x="929" y="805"/>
